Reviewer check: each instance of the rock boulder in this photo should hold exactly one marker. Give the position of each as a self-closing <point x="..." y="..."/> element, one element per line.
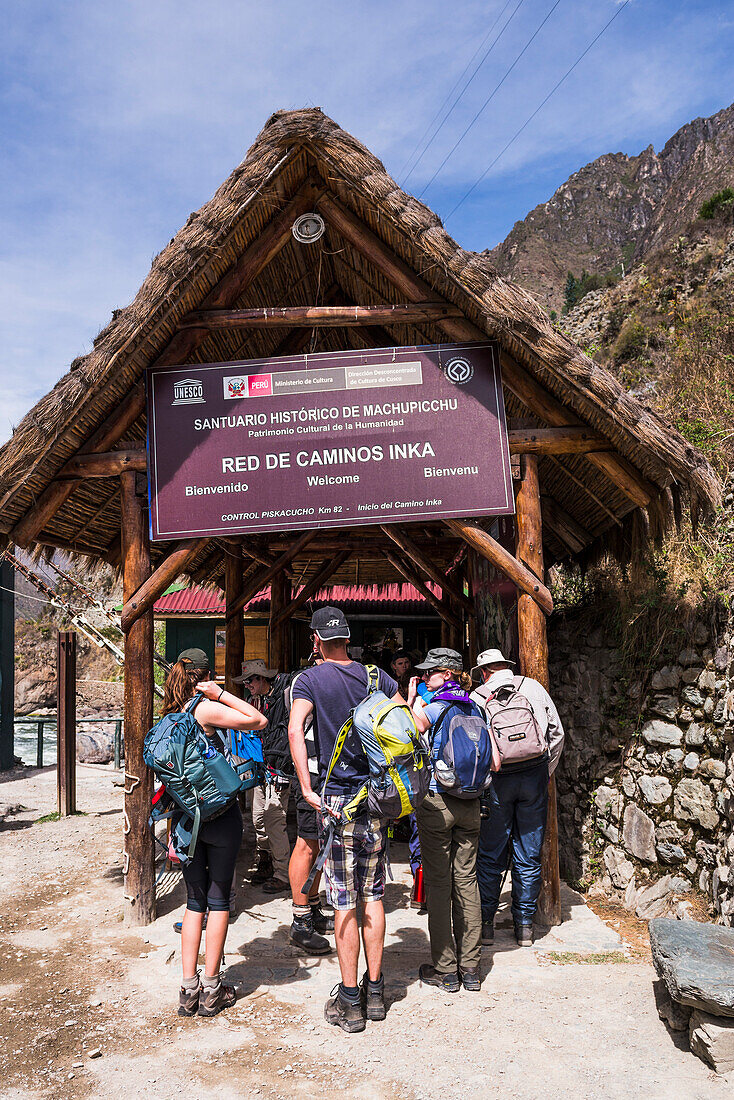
<point x="638" y="833"/>
<point x="656" y="732"/>
<point x="694" y="801"/>
<point x="712" y="1039"/>
<point x="696" y="962"/>
<point x="34" y="691"/>
<point x="94" y="747"/>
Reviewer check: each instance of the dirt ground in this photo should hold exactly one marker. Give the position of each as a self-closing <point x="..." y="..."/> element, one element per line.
<point x="88" y="1007"/>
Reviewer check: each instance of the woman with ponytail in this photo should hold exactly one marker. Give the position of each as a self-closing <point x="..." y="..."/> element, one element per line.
<point x="208" y="876"/>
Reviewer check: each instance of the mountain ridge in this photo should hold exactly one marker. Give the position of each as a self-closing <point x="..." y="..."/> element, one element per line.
<point x="618" y="209"/>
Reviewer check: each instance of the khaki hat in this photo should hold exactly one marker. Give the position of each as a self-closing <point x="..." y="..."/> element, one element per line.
<point x="490" y="657"/>
<point x="255" y="668"/>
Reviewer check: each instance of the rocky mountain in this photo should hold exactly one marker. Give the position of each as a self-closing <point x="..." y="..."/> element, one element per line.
<point x="618" y="209"/>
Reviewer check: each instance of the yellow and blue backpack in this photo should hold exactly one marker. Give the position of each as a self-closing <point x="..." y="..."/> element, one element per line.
<point x="399" y="767"/>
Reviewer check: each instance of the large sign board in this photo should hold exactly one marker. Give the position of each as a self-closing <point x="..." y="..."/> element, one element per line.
<point x="327" y="440"/>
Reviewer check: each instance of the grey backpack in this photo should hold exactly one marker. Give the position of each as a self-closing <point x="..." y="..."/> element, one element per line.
<point x="516" y="730"/>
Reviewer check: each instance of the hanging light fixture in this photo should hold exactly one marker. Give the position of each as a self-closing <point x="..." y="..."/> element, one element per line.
<point x="309" y="228"/>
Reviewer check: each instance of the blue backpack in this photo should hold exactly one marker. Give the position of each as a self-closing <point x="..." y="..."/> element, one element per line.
<point x="246" y="753"/>
<point x="461" y="747"/>
<point x="198" y="779"/>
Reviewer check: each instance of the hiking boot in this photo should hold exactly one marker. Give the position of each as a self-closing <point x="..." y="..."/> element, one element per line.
<point x="471" y="981"/>
<point x="524" y="935"/>
<point x="276" y="886"/>
<point x="487" y="933"/>
<point x="430" y="976"/>
<point x="303" y="935"/>
<point x="264" y="869"/>
<point x="212" y="1001"/>
<point x="373" y="1000"/>
<point x="341" y="1014"/>
<point x="188" y="1003"/>
<point x="322" y="922"/>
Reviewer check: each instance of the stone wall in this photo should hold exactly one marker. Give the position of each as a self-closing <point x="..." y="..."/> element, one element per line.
<point x="646" y="781"/>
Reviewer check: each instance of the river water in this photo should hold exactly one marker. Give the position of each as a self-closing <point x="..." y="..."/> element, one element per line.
<point x="26" y="740"/>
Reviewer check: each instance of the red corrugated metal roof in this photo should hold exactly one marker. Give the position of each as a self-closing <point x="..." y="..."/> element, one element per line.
<point x="350" y="597"/>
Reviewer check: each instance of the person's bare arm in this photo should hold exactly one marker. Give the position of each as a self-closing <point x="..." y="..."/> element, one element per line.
<point x="300" y="710"/>
<point x="416" y="705"/>
<point x="224" y="710"/>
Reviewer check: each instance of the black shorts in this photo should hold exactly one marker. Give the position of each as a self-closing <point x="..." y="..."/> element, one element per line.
<point x="209" y="875"/>
<point x="307" y="819"/>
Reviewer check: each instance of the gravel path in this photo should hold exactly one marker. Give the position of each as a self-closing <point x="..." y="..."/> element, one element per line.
<point x="574" y="1016"/>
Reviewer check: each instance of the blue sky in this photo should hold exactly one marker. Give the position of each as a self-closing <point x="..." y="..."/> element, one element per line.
<point x="119" y="117"/>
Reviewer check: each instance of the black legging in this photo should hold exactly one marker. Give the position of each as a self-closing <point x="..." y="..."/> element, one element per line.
<point x="209" y="875"/>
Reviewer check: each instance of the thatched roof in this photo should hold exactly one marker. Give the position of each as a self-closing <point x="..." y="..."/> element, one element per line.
<point x="293" y="148"/>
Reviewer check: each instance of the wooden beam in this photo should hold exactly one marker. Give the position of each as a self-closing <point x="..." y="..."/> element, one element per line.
<point x="582" y="485"/>
<point x="234" y="652"/>
<point x="557" y="441"/>
<point x="409" y="548"/>
<point x="137" y="866"/>
<point x="534" y="663"/>
<point x="311" y="587"/>
<point x="565" y="526"/>
<point x="265" y="576"/>
<point x="503" y="560"/>
<point x="157" y="583"/>
<point x="279" y="626"/>
<point x="182" y="345"/>
<point x="259" y="553"/>
<point x="624" y="475"/>
<point x="441" y="606"/>
<point x="532" y="394"/>
<point x="57" y="493"/>
<point x="103" y="464"/>
<point x="318" y="316"/>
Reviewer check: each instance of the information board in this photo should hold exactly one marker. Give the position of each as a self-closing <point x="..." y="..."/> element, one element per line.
<point x="327" y="440"/>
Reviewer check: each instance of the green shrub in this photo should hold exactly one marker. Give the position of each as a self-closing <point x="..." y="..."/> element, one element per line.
<point x="712" y="206"/>
<point x="632" y="341"/>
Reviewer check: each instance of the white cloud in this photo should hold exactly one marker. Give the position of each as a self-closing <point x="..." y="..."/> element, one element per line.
<point x="118" y="119"/>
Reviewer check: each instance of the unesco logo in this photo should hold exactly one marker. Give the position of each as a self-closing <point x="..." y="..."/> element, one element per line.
<point x="188" y="391"/>
<point x="459" y="371"/>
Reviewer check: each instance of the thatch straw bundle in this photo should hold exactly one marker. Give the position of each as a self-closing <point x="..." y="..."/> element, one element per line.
<point x="293" y="147"/>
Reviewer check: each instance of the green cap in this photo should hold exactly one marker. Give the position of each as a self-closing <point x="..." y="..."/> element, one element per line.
<point x="195" y="657"/>
<point x="441" y="658"/>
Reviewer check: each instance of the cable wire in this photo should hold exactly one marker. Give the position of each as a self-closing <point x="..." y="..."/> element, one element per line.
<point x="540" y="106"/>
<point x="490" y="97"/>
<point x="453" y="89"/>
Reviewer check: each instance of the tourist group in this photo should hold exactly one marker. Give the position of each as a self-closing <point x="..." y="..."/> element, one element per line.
<point x="461" y="758"/>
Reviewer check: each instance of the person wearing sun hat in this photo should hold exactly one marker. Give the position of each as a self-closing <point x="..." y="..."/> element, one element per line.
<point x="270" y="801"/>
<point x="517" y="802"/>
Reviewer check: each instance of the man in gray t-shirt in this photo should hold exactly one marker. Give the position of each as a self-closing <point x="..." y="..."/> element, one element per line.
<point x="355" y="866"/>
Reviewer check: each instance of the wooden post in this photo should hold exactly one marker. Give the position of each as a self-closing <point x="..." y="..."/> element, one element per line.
<point x="534" y="662"/>
<point x="7" y="665"/>
<point x="137" y="867"/>
<point x="156" y="584"/>
<point x="279" y="628"/>
<point x="66" y="722"/>
<point x="234" y="653"/>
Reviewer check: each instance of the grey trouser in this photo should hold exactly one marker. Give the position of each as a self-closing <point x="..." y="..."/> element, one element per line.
<point x="449" y="836"/>
<point x="269" y="809"/>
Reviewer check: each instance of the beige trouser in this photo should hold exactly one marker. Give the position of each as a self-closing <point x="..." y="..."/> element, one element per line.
<point x="269" y="809"/>
<point x="449" y="835"/>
